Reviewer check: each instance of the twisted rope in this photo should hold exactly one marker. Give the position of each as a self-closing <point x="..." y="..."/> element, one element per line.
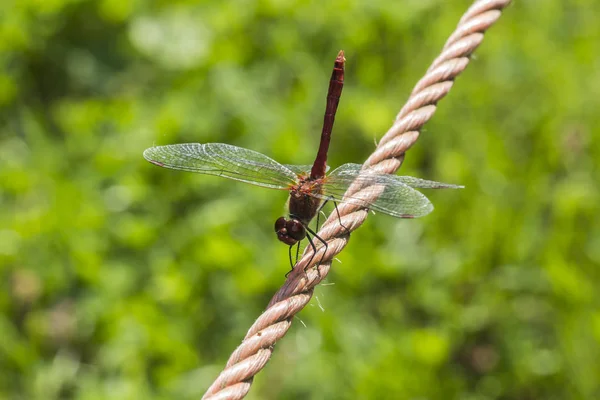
<point x="252" y="355"/>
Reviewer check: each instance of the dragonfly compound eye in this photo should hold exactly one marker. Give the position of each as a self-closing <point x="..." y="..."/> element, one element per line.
<point x="282" y="228"/>
<point x="289" y="231"/>
<point x="296" y="229"/>
<point x="279" y="224"/>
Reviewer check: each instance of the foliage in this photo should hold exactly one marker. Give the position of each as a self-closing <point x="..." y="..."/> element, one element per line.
<point x="124" y="281"/>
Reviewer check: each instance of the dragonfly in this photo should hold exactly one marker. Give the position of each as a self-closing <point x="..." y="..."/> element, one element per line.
<point x="309" y="186"/>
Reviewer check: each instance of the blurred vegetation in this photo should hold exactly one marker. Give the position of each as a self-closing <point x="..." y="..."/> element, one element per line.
<point x="122" y="280"/>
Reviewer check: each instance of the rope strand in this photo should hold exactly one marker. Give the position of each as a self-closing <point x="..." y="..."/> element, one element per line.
<point x="251" y="356"/>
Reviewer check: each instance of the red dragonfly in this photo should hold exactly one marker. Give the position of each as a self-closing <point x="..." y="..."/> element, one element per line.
<point x="309" y="187"/>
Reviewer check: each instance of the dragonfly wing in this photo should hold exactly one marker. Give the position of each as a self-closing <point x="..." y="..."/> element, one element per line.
<point x="398" y="197"/>
<point x="424" y="184"/>
<point x="223" y="160"/>
<point x="301" y="169"/>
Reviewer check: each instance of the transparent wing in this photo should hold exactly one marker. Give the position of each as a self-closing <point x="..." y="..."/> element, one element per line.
<point x="424" y="184"/>
<point x="399" y="198"/>
<point x="223" y="160"/>
<point x="301" y="169"/>
<point x="298" y="169"/>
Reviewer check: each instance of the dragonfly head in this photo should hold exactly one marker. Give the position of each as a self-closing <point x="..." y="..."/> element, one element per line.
<point x="289" y="231"/>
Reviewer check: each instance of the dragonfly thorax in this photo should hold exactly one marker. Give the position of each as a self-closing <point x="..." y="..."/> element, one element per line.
<point x="289" y="231"/>
<point x="303" y="204"/>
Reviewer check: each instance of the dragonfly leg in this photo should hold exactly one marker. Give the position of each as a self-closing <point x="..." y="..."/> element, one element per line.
<point x="337" y="212"/>
<point x="309" y="232"/>
<point x="340" y="219"/>
<point x="319" y="211"/>
<point x="298" y="252"/>
<point x="313" y="245"/>
<point x="314" y="248"/>
<point x="292" y="263"/>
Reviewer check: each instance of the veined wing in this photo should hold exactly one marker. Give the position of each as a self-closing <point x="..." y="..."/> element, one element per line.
<point x="302" y="169"/>
<point x="223" y="160"/>
<point x="399" y="198"/>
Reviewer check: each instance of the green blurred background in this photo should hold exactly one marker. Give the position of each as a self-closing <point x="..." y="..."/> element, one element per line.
<point x="121" y="280"/>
